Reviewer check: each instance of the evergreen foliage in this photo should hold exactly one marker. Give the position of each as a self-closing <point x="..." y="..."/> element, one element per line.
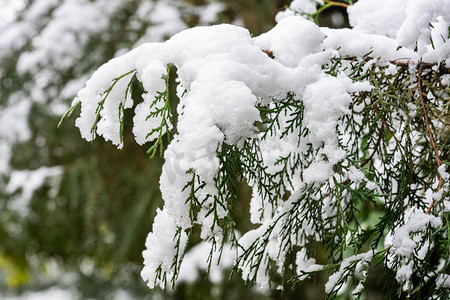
<point x="387" y="157"/>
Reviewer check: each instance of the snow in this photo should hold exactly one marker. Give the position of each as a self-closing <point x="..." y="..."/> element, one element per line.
<point x="72" y="23"/>
<point x="28" y="181"/>
<point x="325" y="102"/>
<point x="404" y="272"/>
<point x="358" y="289"/>
<point x="208" y="13"/>
<point x="305" y="264"/>
<point x="402" y="243"/>
<point x="363" y="258"/>
<point x="14" y="120"/>
<point x="351" y="43"/>
<point x="406" y="242"/>
<point x="40" y="8"/>
<point x="355" y="175"/>
<point x="383" y="17"/>
<point x="196" y="258"/>
<point x="308" y="7"/>
<point x="161" y="248"/>
<point x="443" y="280"/>
<point x="13" y="37"/>
<point x="53" y="293"/>
<point x="9" y="10"/>
<point x="165" y="19"/>
<point x="444" y="175"/>
<point x="415" y="30"/>
<point x="407" y="22"/>
<point x="291" y="40"/>
<point x="5" y="155"/>
<point x="153" y="83"/>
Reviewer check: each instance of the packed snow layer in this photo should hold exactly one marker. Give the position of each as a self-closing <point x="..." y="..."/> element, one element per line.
<point x="410" y="22"/>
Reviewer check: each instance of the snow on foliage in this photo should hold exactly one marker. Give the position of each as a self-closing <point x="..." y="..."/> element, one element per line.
<point x="290" y="111"/>
<point x="29" y="181"/>
<point x="194" y="261"/>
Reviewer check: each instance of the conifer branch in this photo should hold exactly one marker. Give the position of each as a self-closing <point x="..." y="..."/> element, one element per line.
<point x="428" y="128"/>
<point x="383" y="121"/>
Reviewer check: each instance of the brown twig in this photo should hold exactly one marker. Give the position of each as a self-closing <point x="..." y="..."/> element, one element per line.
<point x="404" y="62"/>
<point x="389" y="129"/>
<point x="269" y="53"/>
<point x="387" y="248"/>
<point x="334" y="3"/>
<point x="345" y="182"/>
<point x="373" y="152"/>
<point x="407" y="62"/>
<point x="427" y="122"/>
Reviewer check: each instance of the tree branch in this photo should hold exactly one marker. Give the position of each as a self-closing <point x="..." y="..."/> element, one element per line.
<point x="427" y="122"/>
<point x="390" y="131"/>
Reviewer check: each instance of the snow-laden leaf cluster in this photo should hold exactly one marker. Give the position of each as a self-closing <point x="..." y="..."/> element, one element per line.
<point x="321" y="123"/>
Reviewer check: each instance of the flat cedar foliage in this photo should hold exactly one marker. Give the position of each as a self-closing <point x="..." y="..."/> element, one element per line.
<point x="304" y="162"/>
